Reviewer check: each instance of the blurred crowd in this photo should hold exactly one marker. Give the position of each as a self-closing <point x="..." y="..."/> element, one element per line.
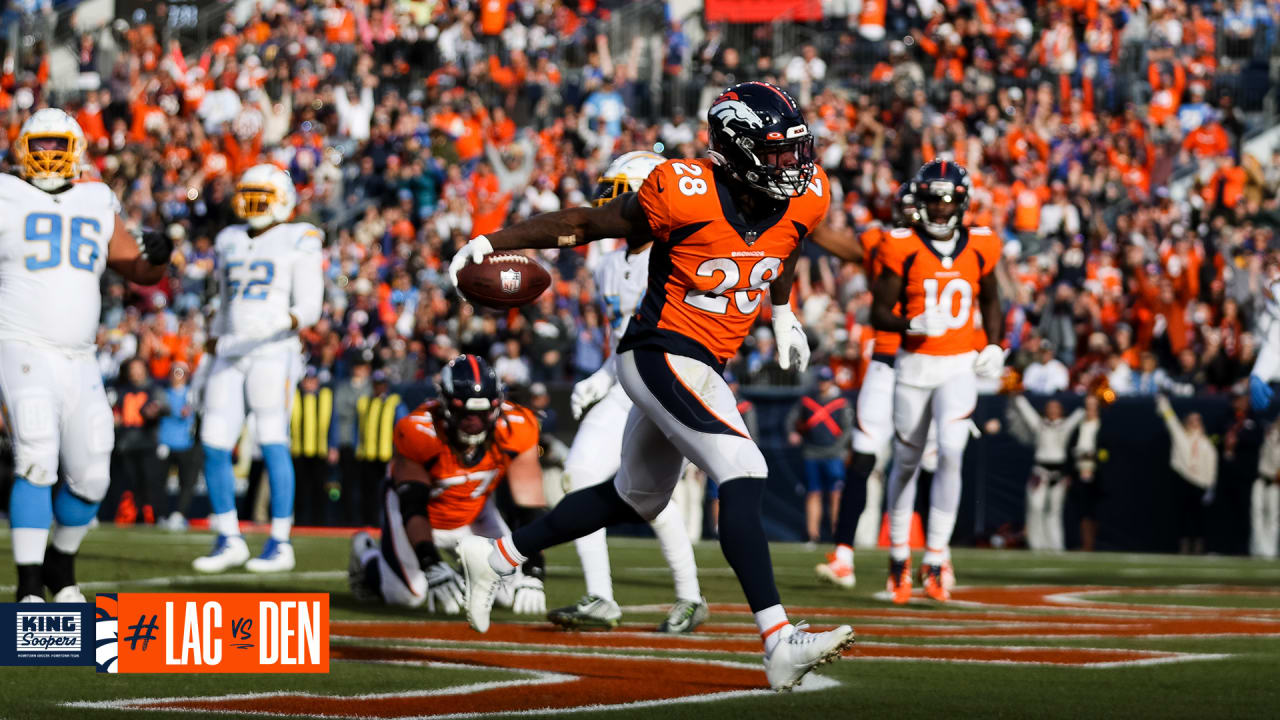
<point x="1105" y="139"/>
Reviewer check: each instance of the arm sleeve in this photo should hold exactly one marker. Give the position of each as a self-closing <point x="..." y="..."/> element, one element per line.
<point x="654" y="197"/>
<point x="889" y="255"/>
<point x="308" y="279"/>
<point x="1073" y="421"/>
<point x="1027" y="413"/>
<point x="221" y="321"/>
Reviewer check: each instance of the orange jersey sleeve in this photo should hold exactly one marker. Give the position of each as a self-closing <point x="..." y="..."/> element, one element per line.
<point x="873" y="243"/>
<point x="416" y="438"/>
<point x="517" y="430"/>
<point x="710" y="269"/>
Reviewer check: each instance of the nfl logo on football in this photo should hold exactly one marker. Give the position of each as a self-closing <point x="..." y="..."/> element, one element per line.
<point x="48" y="634"/>
<point x="510" y="280"/>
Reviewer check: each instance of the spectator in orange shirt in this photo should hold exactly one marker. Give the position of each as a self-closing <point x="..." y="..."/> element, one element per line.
<point x="1208" y="140"/>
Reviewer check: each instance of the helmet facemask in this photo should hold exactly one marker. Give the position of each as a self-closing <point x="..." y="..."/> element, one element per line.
<point x="472" y="420"/>
<point x="49" y="160"/>
<point x="254" y="205"/>
<point x="780" y="168"/>
<point x="939" y="209"/>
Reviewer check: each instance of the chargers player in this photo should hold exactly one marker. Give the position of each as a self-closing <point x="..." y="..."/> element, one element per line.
<point x="271" y="284"/>
<point x="595" y="456"/>
<point x="57" y="237"/>
<point x="450" y="455"/>
<point x="941" y="275"/>
<point x="726" y="234"/>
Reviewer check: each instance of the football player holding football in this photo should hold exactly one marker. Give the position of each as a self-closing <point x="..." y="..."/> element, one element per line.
<point x="621" y="278"/>
<point x="726" y="234"/>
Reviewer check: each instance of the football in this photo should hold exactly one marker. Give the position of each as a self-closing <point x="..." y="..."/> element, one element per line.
<point x="503" y="280"/>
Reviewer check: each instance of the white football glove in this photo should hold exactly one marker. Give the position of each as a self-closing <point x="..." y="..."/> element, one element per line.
<point x="444" y="589"/>
<point x="590" y="390"/>
<point x="529" y="597"/>
<point x="932" y="323"/>
<point x="473" y="252"/>
<point x="990" y="362"/>
<point x="789" y="336"/>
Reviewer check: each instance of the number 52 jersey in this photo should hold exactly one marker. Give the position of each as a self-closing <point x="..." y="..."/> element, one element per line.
<point x="710" y="269"/>
<point x="53" y="249"/>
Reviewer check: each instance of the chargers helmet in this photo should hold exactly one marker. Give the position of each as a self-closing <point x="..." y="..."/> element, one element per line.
<point x="625" y="174"/>
<point x="941" y="191"/>
<point x="264" y="196"/>
<point x="471" y="401"/>
<point x="759" y="136"/>
<point x="49" y="148"/>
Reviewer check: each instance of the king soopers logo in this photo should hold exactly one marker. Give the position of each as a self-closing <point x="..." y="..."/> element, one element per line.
<point x="48" y="632"/>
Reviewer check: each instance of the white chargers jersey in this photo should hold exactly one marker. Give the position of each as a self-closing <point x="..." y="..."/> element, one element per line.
<point x="53" y="249"/>
<point x="268" y="275"/>
<point x="621" y="280"/>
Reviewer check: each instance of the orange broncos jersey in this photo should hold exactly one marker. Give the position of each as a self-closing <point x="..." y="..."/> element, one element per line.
<point x="458" y="491"/>
<point x="873" y="239"/>
<point x="709" y="270"/>
<point x="930" y="279"/>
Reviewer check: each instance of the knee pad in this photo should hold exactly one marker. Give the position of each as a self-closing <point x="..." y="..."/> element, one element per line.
<point x="218" y="432"/>
<point x="92" y="487"/>
<point x="271" y="426"/>
<point x="35" y="440"/>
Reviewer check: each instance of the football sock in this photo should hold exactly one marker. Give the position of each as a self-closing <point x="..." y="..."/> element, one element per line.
<point x="944" y="502"/>
<point x="770" y="620"/>
<point x="30" y="514"/>
<point x="853" y="498"/>
<point x="580" y="512"/>
<point x="30" y="580"/>
<point x="673" y="540"/>
<point x="935" y="555"/>
<point x="281" y="481"/>
<point x="844" y="554"/>
<point x="222" y="490"/>
<point x="593" y="551"/>
<point x="505" y="558"/>
<point x="743" y="542"/>
<point x="281" y="527"/>
<point x="59" y="569"/>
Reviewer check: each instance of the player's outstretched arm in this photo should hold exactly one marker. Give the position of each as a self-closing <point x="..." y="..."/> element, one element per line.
<point x="141" y="261"/>
<point x="885" y="292"/>
<point x="623" y="217"/>
<point x="839" y="241"/>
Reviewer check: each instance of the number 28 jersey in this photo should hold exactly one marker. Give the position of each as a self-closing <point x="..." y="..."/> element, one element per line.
<point x="709" y="269"/>
<point x="53" y="249"/>
<point x="930" y="279"/>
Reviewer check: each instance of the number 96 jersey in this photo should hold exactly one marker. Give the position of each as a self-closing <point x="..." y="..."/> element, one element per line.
<point x="930" y="279"/>
<point x="459" y="492"/>
<point x="709" y="269"/>
<point x="53" y="249"/>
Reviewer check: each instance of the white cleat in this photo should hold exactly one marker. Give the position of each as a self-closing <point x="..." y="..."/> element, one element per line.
<point x="31" y="599"/>
<point x="482" y="580"/>
<point x="228" y="552"/>
<point x="277" y="556"/>
<point x="69" y="594"/>
<point x="798" y="652"/>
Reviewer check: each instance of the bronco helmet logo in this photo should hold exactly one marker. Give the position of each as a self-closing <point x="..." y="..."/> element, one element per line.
<point x="731" y="109"/>
<point x="510" y="280"/>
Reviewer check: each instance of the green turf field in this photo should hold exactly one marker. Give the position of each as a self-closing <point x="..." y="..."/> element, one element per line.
<point x="1067" y="635"/>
